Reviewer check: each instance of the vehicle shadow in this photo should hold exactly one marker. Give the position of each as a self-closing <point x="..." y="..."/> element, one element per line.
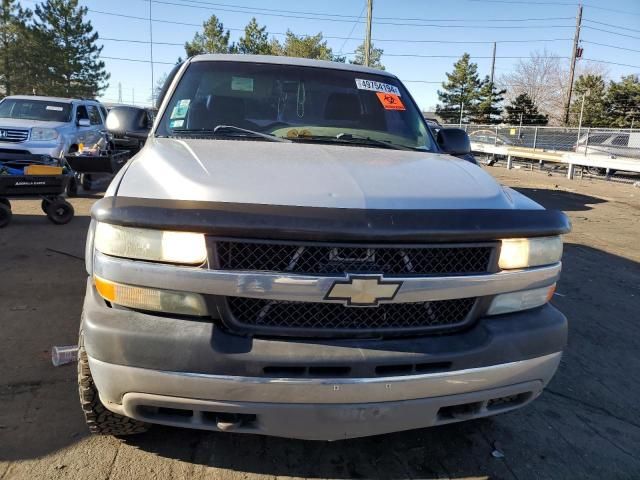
<point x="582" y="410"/>
<point x="560" y="199"/>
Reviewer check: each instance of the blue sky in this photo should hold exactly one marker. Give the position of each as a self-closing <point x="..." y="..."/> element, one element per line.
<point x="464" y="21"/>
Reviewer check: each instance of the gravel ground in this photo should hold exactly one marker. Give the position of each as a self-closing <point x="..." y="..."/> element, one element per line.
<point x="584" y="426"/>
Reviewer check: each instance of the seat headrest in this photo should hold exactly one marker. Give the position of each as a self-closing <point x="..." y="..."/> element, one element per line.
<point x="342" y="106"/>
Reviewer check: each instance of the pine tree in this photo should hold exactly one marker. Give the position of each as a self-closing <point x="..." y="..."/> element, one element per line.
<point x="591" y="89"/>
<point x="67" y="47"/>
<point x="14" y="34"/>
<point x="523" y="108"/>
<point x="213" y="39"/>
<point x="488" y="110"/>
<point x="374" y="57"/>
<point x="311" y="46"/>
<point x="623" y="102"/>
<point x="461" y="91"/>
<point x="255" y="39"/>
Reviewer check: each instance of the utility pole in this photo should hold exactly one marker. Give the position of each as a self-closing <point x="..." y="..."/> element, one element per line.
<point x="119" y="92"/>
<point x="574" y="57"/>
<point x="367" y="39"/>
<point x="153" y="83"/>
<point x="493" y="63"/>
<point x="584" y="96"/>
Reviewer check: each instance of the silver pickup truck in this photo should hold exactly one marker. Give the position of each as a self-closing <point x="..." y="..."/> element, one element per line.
<point x="293" y="253"/>
<point x="49" y="125"/>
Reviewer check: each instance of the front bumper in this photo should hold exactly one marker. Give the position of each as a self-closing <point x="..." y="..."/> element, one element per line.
<point x="52" y="149"/>
<point x="192" y="373"/>
<point x="320" y="409"/>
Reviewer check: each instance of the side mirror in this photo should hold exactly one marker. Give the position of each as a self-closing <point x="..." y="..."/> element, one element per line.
<point x="84" y="122"/>
<point x="454" y="141"/>
<point x="125" y="121"/>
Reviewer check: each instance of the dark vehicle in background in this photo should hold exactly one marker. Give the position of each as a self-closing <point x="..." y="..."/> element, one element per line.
<point x="128" y="127"/>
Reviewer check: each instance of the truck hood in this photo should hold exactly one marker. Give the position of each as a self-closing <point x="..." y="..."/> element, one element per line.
<point x="311" y="175"/>
<point x="22" y="123"/>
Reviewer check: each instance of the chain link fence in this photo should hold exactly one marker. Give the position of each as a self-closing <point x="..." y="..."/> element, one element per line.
<point x="609" y="142"/>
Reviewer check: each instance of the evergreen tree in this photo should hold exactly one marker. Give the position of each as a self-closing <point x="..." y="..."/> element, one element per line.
<point x="374" y="57"/>
<point x="255" y="39"/>
<point x="68" y="49"/>
<point x="13" y="42"/>
<point x="213" y="39"/>
<point x="488" y="110"/>
<point x="522" y="107"/>
<point x="304" y="47"/>
<point x="591" y="89"/>
<point x="623" y="102"/>
<point x="461" y="91"/>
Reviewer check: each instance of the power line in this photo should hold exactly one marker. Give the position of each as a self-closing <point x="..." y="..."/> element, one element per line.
<point x="609" y="31"/>
<point x="610" y="46"/>
<point x="612" y="25"/>
<point x="626" y="12"/>
<point x="327" y="14"/>
<point x="355" y="24"/>
<point x="524" y="2"/>
<point x="343" y="20"/>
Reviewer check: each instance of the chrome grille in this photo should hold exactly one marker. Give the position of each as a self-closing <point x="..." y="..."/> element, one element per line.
<point x="314" y="317"/>
<point x="13" y="135"/>
<point x="327" y="259"/>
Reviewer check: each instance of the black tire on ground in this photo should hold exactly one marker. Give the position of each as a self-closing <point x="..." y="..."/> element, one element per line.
<point x="5" y="215"/>
<point x="72" y="187"/>
<point x="85" y="181"/>
<point x="59" y="211"/>
<point x="5" y="201"/>
<point x="98" y="418"/>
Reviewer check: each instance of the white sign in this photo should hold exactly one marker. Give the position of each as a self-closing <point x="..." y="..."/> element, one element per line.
<point x="374" y="86"/>
<point x="54" y="108"/>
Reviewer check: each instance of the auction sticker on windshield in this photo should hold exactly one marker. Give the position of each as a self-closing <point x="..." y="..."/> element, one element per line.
<point x="374" y="86"/>
<point x="390" y="101"/>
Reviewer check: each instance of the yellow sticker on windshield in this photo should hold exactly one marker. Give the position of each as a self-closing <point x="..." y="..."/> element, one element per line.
<point x="390" y="101"/>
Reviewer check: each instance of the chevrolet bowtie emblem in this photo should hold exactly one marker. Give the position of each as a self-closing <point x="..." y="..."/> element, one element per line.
<point x="363" y="290"/>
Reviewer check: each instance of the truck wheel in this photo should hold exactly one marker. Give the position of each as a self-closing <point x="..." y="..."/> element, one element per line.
<point x="59" y="211"/>
<point x="5" y="215"/>
<point x="72" y="187"/>
<point x="98" y="418"/>
<point x="5" y="201"/>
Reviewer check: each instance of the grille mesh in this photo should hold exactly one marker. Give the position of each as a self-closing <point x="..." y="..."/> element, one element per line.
<point x="13" y="135"/>
<point x="313" y="259"/>
<point x="324" y="316"/>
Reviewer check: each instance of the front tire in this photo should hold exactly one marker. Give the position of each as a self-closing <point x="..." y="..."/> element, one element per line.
<point x="100" y="420"/>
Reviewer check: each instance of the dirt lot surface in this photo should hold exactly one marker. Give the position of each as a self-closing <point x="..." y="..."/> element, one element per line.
<point x="586" y="424"/>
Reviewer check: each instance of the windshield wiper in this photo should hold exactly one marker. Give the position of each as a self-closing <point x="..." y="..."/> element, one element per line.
<point x="354" y="140"/>
<point x="350" y="137"/>
<point x="222" y="129"/>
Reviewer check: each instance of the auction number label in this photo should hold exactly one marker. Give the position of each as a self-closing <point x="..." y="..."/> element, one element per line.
<point x="374" y="86"/>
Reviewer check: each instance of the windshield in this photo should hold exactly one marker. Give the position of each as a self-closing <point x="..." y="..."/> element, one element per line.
<point x="35" y="110"/>
<point x="294" y="102"/>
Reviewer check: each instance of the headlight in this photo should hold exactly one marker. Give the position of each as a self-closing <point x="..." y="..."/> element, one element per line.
<point x="143" y="298"/>
<point x="153" y="245"/>
<point x="43" y="134"/>
<point x="524" y="300"/>
<point x="530" y="252"/>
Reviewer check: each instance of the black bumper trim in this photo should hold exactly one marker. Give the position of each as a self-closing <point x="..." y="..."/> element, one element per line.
<point x="181" y="345"/>
<point x="272" y="222"/>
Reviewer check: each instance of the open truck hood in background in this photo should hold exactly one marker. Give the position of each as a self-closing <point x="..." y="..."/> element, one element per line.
<point x="309" y="175"/>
